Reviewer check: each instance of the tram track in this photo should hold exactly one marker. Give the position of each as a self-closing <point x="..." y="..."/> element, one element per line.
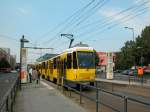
<point x="106" y="100"/>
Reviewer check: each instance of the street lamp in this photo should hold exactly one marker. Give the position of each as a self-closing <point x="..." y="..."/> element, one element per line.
<point x="132" y="29"/>
<point x="22" y="41"/>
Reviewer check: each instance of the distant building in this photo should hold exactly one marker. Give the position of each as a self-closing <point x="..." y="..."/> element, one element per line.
<point x="13" y="61"/>
<point x="2" y="54"/>
<point x="5" y="53"/>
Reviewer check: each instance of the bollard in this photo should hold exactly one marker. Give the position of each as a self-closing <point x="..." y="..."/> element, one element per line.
<point x="125" y="104"/>
<point x="80" y="93"/>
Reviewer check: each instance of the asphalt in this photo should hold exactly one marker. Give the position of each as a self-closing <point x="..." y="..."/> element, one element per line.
<point x="6" y="81"/>
<point x="44" y="98"/>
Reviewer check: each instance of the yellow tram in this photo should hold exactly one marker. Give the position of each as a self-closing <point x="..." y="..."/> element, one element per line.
<point x="74" y="64"/>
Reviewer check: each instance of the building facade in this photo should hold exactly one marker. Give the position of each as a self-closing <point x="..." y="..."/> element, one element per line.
<point x="5" y="53"/>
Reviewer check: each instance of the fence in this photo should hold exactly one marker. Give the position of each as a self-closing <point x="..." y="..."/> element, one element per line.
<point x="98" y="101"/>
<point x="6" y="104"/>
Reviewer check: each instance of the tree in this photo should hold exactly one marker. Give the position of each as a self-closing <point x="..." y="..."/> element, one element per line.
<point x="4" y="63"/>
<point x="135" y="53"/>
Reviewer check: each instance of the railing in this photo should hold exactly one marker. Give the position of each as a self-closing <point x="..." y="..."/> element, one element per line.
<point x="7" y="102"/>
<point x="98" y="101"/>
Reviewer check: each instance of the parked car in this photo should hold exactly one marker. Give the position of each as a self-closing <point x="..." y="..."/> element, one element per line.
<point x="128" y="72"/>
<point x="5" y="70"/>
<point x="117" y="71"/>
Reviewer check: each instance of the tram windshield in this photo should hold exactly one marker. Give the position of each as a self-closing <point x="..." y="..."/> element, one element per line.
<point x="86" y="60"/>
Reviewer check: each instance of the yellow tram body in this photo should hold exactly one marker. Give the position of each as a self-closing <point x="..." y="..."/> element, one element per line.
<point x="74" y="64"/>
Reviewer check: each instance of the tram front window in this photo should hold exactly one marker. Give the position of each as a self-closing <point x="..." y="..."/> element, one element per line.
<point x="86" y="60"/>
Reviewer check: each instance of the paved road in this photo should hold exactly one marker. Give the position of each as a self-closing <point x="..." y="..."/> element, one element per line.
<point x="6" y="81"/>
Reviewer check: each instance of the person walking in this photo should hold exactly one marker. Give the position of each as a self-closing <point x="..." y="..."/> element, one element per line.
<point x="30" y="75"/>
<point x="34" y="74"/>
<point x="38" y="78"/>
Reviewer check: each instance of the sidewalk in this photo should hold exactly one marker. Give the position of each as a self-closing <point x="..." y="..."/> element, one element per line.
<point x="44" y="98"/>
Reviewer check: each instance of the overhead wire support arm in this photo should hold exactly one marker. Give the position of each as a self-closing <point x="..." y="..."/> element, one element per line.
<point x="69" y="36"/>
<point x="38" y="48"/>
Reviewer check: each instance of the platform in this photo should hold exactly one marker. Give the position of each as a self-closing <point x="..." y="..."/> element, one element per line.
<point x="44" y="98"/>
<point x="121" y="82"/>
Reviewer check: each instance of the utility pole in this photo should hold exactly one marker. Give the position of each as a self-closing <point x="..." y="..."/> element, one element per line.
<point x="22" y="41"/>
<point x="69" y="36"/>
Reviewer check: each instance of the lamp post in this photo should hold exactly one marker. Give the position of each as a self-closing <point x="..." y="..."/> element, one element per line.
<point x="22" y="41"/>
<point x="132" y="29"/>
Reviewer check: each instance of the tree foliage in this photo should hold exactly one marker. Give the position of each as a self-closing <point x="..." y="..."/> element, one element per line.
<point x="135" y="53"/>
<point x="4" y="63"/>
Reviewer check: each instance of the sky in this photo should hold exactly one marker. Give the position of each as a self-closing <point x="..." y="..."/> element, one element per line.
<point x="98" y="23"/>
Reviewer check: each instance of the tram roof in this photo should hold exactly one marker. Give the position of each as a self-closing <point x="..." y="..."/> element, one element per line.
<point x="70" y="50"/>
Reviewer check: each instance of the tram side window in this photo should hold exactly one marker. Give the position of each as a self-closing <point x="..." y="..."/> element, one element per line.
<point x="74" y="60"/>
<point x="54" y="63"/>
<point x="69" y="60"/>
<point x="43" y="65"/>
<point x="49" y="65"/>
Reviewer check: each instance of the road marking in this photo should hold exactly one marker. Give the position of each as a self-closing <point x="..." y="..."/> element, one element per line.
<point x="46" y="85"/>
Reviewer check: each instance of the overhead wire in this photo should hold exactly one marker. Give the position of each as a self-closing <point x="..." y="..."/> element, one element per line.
<point x="109" y="22"/>
<point x="69" y="19"/>
<point x="89" y="10"/>
<point x="87" y="14"/>
<point x="66" y="26"/>
<point x="90" y="14"/>
<point x="101" y="22"/>
<point x="128" y="9"/>
<point x="8" y="37"/>
<point x="116" y="24"/>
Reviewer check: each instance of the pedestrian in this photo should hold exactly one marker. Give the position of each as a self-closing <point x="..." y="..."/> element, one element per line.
<point x="38" y="78"/>
<point x="30" y="75"/>
<point x="34" y="74"/>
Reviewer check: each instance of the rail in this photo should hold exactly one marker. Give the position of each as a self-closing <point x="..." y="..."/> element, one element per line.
<point x="97" y="100"/>
<point x="7" y="102"/>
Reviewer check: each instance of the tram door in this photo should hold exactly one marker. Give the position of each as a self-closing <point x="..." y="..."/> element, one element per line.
<point x="64" y="68"/>
<point x="58" y="71"/>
